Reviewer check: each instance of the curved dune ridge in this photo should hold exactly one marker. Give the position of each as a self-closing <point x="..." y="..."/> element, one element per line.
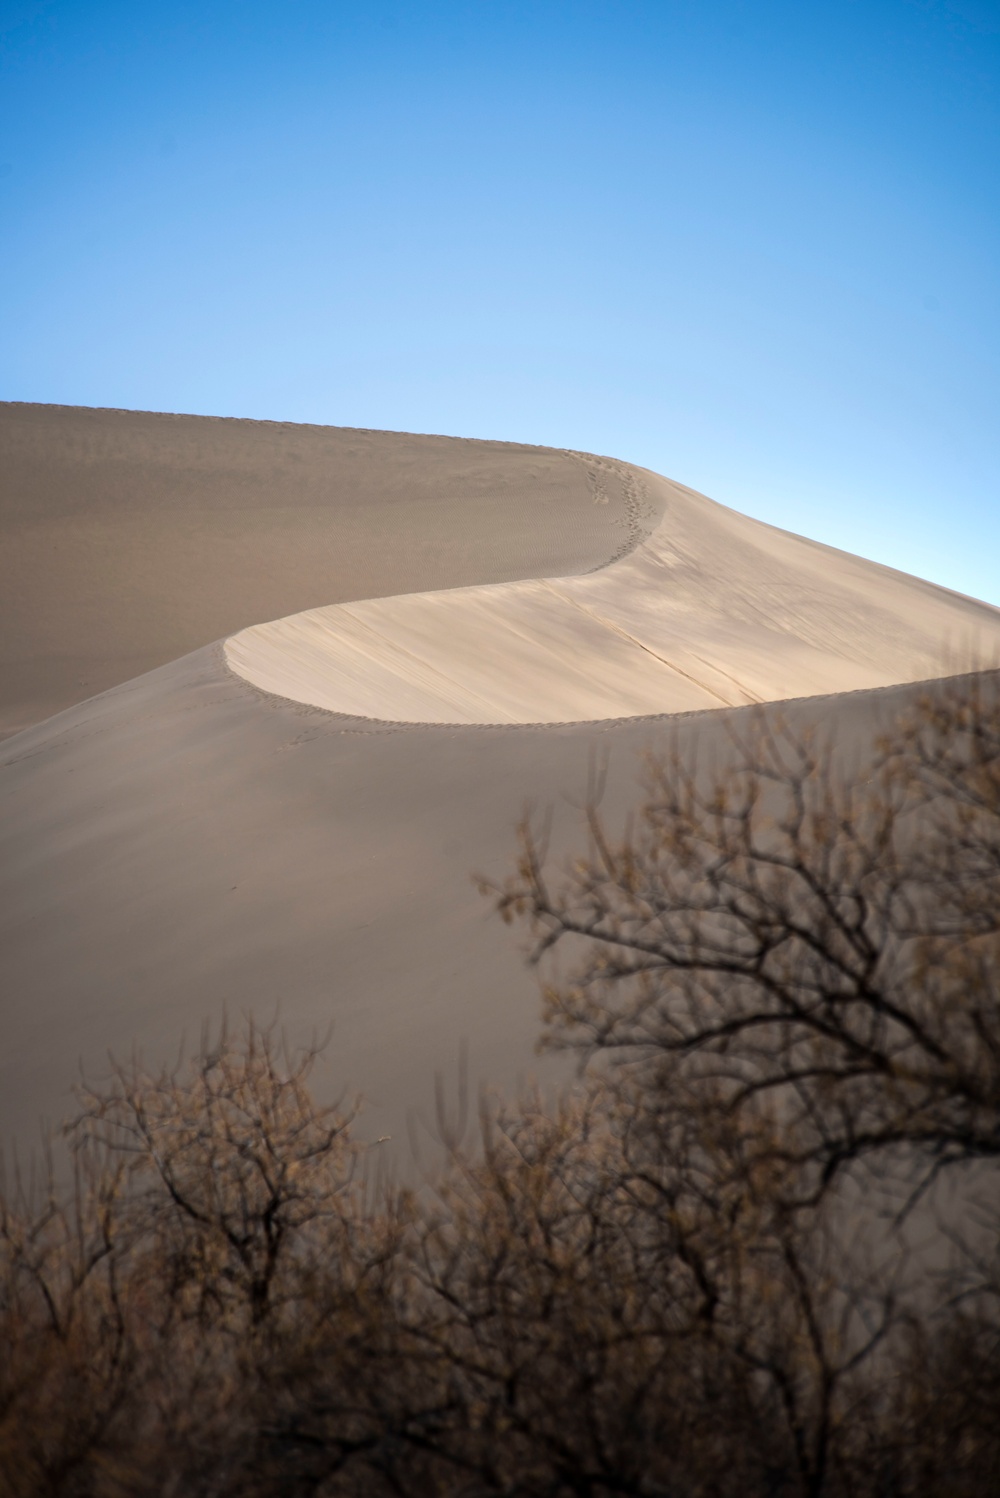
<point x="176" y="844"/>
<point x="133" y="537"/>
<point x="711" y="610"/>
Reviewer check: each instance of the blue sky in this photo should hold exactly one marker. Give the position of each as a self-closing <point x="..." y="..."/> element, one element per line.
<point x="752" y="244"/>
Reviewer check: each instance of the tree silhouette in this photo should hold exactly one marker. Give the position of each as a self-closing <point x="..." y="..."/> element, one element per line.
<point x="752" y="1250"/>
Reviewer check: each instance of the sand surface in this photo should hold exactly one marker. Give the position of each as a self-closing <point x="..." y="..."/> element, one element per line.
<point x="713" y="609"/>
<point x="186" y="844"/>
<point x="131" y="538"/>
<point x="182" y="845"/>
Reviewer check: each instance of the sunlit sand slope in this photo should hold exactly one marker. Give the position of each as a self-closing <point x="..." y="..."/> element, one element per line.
<point x="129" y="538"/>
<point x="714" y="609"/>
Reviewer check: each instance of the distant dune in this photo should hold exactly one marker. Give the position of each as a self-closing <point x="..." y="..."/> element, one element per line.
<point x="194" y="839"/>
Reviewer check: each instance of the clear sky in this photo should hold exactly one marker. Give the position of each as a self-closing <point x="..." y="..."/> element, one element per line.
<point x="752" y="244"/>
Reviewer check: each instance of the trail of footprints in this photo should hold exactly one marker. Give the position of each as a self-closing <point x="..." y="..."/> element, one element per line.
<point x="639" y="515"/>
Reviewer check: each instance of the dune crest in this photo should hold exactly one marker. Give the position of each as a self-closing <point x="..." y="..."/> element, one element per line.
<point x="132" y="537"/>
<point x="180" y="844"/>
<point x="712" y="610"/>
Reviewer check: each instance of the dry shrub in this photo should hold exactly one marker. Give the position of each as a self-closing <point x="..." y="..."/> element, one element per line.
<point x="725" y="1262"/>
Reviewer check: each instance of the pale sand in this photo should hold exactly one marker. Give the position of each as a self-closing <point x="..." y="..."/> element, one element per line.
<point x="182" y="845"/>
<point x="714" y="609"/>
<point x="130" y="538"/>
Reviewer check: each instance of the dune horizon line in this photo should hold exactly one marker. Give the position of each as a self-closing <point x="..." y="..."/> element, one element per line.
<point x="708" y="609"/>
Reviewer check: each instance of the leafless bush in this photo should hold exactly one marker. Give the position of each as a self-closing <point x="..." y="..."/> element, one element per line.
<point x="796" y="937"/>
<point x="715" y="1267"/>
<point x="232" y="1170"/>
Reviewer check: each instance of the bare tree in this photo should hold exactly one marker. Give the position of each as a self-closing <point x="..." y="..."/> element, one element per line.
<point x="783" y="930"/>
<point x="230" y="1164"/>
<point x="702" y="1271"/>
<point x="67" y="1357"/>
<point x="784" y="969"/>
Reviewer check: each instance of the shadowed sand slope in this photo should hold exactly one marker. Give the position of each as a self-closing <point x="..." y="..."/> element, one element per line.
<point x="131" y="538"/>
<point x="713" y="609"/>
<point x="181" y="846"/>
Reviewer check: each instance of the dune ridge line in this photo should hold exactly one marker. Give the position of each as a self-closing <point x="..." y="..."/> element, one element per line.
<point x="711" y="609"/>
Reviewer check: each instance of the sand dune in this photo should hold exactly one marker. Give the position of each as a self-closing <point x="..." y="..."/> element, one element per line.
<point x="185" y="843"/>
<point x="181" y="846"/>
<point x="714" y="609"/>
<point x="131" y="538"/>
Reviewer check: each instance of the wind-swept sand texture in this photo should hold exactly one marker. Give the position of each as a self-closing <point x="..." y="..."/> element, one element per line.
<point x="130" y="538"/>
<point x="184" y="843"/>
<point x="180" y="845"/>
<point x="714" y="609"/>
